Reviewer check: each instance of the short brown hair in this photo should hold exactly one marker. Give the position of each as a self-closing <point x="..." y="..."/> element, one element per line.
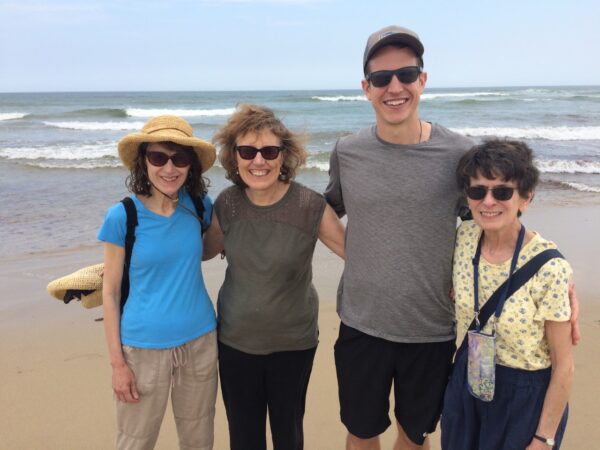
<point x="139" y="183"/>
<point x="509" y="160"/>
<point x="250" y="118"/>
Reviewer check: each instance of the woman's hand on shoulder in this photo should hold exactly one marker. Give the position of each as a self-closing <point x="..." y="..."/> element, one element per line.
<point x="123" y="384"/>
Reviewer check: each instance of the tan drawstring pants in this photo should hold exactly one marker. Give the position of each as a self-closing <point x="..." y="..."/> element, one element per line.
<point x="189" y="374"/>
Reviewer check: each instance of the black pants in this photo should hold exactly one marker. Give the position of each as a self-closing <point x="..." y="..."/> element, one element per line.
<point x="254" y="384"/>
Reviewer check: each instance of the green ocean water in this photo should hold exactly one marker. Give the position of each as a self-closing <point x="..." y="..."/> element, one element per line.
<point x="59" y="168"/>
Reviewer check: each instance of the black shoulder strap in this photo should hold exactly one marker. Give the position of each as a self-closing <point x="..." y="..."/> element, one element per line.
<point x="199" y="205"/>
<point x="129" y="241"/>
<point x="519" y="278"/>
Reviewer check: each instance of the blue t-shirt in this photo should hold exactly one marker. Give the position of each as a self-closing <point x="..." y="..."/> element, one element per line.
<point x="168" y="304"/>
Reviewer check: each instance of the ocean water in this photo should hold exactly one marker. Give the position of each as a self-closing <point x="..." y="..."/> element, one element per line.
<point x="59" y="169"/>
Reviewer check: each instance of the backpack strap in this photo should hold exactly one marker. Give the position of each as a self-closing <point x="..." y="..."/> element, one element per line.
<point x="519" y="278"/>
<point x="132" y="222"/>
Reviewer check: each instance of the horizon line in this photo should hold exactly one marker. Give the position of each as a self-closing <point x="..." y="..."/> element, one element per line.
<point x="292" y="90"/>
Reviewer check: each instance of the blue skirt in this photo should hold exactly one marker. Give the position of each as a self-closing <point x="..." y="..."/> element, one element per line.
<point x="507" y="422"/>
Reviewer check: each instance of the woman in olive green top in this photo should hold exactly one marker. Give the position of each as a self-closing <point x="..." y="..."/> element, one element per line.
<point x="268" y="226"/>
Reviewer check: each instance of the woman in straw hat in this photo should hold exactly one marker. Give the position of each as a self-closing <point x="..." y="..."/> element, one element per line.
<point x="267" y="309"/>
<point x="164" y="341"/>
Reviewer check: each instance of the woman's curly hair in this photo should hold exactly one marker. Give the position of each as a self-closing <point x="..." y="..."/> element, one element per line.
<point x="509" y="160"/>
<point x="253" y="119"/>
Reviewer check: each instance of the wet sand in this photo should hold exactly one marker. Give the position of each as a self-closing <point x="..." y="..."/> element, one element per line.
<point x="55" y="391"/>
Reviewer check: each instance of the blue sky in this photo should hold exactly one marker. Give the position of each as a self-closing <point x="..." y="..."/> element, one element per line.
<point x="90" y="45"/>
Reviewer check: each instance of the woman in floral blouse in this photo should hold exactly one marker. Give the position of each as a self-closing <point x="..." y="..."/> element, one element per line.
<point x="513" y="375"/>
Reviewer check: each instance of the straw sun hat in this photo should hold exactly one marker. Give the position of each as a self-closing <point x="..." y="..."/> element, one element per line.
<point x="84" y="284"/>
<point x="163" y="129"/>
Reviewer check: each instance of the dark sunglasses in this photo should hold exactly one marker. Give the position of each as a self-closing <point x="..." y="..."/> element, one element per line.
<point x="159" y="159"/>
<point x="500" y="193"/>
<point x="382" y="78"/>
<point x="248" y="152"/>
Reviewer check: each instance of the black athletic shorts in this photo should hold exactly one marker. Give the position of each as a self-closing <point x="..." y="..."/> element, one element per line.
<point x="366" y="367"/>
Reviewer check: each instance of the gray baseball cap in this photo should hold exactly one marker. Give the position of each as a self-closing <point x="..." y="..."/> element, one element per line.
<point x="392" y="34"/>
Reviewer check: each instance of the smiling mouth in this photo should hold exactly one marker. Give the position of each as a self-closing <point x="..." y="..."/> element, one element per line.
<point x="169" y="179"/>
<point x="489" y="213"/>
<point x="259" y="173"/>
<point x="395" y="102"/>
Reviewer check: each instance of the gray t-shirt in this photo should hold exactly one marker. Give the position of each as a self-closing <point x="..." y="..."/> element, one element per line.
<point x="402" y="202"/>
<point x="267" y="302"/>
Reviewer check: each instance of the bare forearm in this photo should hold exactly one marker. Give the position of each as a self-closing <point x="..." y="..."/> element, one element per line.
<point x="558" y="335"/>
<point x="112" y="319"/>
<point x="332" y="232"/>
<point x="214" y="241"/>
<point x="335" y="246"/>
<point x="556" y="398"/>
<point x="210" y="250"/>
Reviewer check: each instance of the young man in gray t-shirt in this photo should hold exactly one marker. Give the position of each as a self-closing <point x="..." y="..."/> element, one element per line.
<point x="395" y="181"/>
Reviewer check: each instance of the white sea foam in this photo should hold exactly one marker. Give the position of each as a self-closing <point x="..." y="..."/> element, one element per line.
<point x="71" y="152"/>
<point x="94" y="126"/>
<point x="545" y="166"/>
<point x="320" y="165"/>
<point x="433" y="96"/>
<point x="458" y="95"/>
<point x="88" y="164"/>
<point x="341" y="98"/>
<point x="581" y="187"/>
<point x="141" y="112"/>
<point x="536" y="91"/>
<point x="11" y="116"/>
<point x="548" y="133"/>
<point x="568" y="166"/>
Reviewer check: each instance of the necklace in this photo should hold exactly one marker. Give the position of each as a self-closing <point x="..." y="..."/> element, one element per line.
<point x="420" y="131"/>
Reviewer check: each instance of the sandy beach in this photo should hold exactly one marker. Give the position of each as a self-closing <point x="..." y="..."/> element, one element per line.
<point x="55" y="391"/>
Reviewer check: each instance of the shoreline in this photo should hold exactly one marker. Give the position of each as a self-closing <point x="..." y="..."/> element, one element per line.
<point x="56" y="390"/>
<point x="55" y="216"/>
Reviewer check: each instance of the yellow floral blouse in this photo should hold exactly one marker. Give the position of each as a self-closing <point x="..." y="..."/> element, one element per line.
<point x="520" y="339"/>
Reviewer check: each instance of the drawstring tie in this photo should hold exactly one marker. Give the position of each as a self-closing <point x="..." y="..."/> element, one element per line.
<point x="179" y="358"/>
